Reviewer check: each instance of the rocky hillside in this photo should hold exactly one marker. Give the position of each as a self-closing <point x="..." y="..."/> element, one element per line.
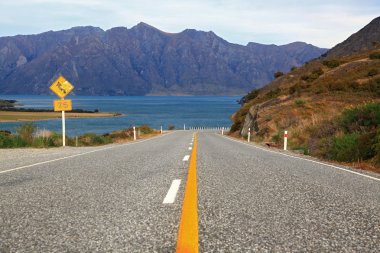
<point x="142" y="61"/>
<point x="328" y="102"/>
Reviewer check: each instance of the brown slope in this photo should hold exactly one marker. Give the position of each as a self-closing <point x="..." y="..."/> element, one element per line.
<point x="308" y="101"/>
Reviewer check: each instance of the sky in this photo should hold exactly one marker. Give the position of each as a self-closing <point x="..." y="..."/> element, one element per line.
<point x="323" y="23"/>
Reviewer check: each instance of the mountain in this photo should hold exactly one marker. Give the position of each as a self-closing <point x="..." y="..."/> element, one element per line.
<point x="142" y="61"/>
<point x="367" y="38"/>
<point x="330" y="106"/>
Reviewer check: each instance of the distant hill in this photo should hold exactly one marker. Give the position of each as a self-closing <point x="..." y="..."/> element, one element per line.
<point x="366" y="39"/>
<point x="142" y="61"/>
<point x="330" y="106"/>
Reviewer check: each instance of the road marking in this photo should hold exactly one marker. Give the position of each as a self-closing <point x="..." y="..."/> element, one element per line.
<point x="187" y="240"/>
<point x="186" y="158"/>
<point x="190" y="143"/>
<point x="72" y="156"/>
<point x="300" y="158"/>
<point x="172" y="193"/>
<point x="190" y="148"/>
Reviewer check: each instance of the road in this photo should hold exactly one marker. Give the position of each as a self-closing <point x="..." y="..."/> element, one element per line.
<point x="250" y="199"/>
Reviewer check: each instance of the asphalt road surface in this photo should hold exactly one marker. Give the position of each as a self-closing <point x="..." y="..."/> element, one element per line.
<point x="110" y="199"/>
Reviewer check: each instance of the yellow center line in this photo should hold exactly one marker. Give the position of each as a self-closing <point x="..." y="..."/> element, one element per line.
<point x="187" y="241"/>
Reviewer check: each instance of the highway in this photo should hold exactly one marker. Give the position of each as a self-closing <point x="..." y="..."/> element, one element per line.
<point x="129" y="198"/>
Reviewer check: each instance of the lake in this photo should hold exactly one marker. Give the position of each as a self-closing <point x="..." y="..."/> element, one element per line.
<point x="193" y="111"/>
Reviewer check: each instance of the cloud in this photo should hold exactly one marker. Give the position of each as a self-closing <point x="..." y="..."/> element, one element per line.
<point x="241" y="21"/>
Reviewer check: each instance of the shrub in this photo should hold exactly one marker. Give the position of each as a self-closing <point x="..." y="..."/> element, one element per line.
<point x="372" y="86"/>
<point x="52" y="141"/>
<point x="337" y="86"/>
<point x="304" y="77"/>
<point x="331" y="63"/>
<point x="302" y="148"/>
<point x="352" y="147"/>
<point x="122" y="134"/>
<point x="252" y="95"/>
<point x="39" y="142"/>
<point x="273" y="93"/>
<point x="295" y="88"/>
<point x="6" y="141"/>
<point x="278" y="74"/>
<point x="363" y="118"/>
<point x="366" y="143"/>
<point x="235" y="126"/>
<point x="373" y="72"/>
<point x="313" y="75"/>
<point x="309" y="78"/>
<point x="5" y="132"/>
<point x="276" y="138"/>
<point x="26" y="132"/>
<point x="374" y="56"/>
<point x="299" y="102"/>
<point x="317" y="72"/>
<point x="91" y="139"/>
<point x="376" y="147"/>
<point x="293" y="68"/>
<point x="145" y="129"/>
<point x="171" y="127"/>
<point x="345" y="148"/>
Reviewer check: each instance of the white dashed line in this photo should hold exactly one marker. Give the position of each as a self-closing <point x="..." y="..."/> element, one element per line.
<point x="186" y="158"/>
<point x="190" y="148"/>
<point x="172" y="193"/>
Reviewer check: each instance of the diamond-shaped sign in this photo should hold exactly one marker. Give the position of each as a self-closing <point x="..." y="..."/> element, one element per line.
<point x="61" y="87"/>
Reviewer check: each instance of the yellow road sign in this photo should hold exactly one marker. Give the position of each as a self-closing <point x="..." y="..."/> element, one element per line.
<point x="61" y="87"/>
<point x="63" y="105"/>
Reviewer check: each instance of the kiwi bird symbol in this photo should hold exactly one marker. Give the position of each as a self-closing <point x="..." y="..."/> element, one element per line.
<point x="59" y="85"/>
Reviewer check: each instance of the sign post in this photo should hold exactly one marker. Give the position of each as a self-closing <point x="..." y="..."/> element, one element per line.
<point x="61" y="87"/>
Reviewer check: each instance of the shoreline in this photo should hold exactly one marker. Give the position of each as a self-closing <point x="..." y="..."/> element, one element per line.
<point x="14" y="116"/>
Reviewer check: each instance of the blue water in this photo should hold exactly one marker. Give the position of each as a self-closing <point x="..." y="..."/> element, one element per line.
<point x="153" y="111"/>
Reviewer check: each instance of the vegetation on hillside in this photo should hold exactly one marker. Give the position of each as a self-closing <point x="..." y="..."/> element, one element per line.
<point x="353" y="136"/>
<point x="330" y="108"/>
<point x="28" y="136"/>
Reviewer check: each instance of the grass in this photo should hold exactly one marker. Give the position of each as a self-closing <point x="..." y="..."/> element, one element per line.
<point x="27" y="136"/>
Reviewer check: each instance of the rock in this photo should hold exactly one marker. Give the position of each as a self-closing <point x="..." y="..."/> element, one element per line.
<point x="251" y="121"/>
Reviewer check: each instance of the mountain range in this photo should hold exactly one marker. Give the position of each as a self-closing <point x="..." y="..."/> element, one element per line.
<point x="142" y="60"/>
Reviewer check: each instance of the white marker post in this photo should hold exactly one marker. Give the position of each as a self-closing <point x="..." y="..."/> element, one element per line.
<point x="249" y="134"/>
<point x="285" y="140"/>
<point x="134" y="133"/>
<point x="63" y="129"/>
<point x="222" y="130"/>
<point x="184" y="127"/>
<point x="161" y="129"/>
